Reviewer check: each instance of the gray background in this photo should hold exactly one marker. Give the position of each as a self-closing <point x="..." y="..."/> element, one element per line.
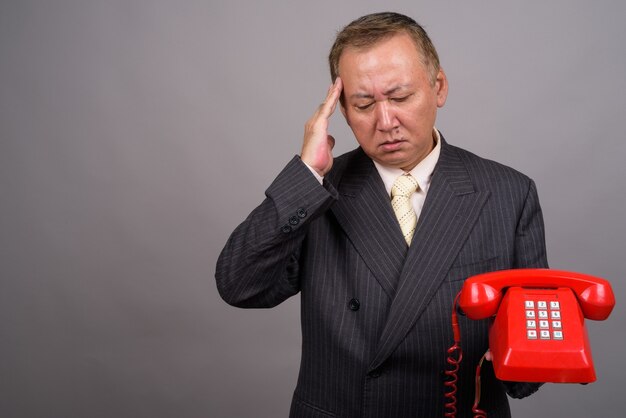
<point x="135" y="135"/>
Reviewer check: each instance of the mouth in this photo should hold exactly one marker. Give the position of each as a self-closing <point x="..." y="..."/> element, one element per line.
<point x="392" y="145"/>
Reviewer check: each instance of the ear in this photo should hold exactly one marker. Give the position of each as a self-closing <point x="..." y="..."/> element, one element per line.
<point x="441" y="86"/>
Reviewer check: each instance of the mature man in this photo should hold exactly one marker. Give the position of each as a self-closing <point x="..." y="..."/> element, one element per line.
<point x="379" y="240"/>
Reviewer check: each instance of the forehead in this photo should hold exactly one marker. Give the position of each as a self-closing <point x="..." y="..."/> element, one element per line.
<point x="394" y="60"/>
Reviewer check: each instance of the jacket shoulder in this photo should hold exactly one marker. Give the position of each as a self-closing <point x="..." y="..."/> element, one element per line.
<point x="483" y="170"/>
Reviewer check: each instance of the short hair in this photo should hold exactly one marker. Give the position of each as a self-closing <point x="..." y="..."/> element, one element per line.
<point x="368" y="30"/>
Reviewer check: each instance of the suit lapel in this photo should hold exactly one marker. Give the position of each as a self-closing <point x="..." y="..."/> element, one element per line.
<point x="452" y="207"/>
<point x="364" y="212"/>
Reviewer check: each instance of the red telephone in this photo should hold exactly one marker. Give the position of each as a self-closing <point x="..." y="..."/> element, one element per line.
<point x="538" y="334"/>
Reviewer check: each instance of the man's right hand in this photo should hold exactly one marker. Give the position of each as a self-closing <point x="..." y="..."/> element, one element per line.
<point x="318" y="144"/>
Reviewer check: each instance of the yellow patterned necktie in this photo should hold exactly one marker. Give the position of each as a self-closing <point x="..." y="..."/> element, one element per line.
<point x="401" y="192"/>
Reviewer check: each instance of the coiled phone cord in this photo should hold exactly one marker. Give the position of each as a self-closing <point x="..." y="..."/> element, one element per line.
<point x="455" y="356"/>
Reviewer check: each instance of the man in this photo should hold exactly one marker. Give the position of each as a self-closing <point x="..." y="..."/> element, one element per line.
<point x="378" y="264"/>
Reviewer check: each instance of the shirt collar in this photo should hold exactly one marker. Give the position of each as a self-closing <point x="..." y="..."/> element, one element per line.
<point x="422" y="172"/>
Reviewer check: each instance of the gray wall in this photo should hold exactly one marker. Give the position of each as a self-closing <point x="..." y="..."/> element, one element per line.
<point x="121" y="120"/>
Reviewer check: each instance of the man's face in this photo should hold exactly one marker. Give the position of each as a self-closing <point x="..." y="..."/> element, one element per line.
<point x="390" y="102"/>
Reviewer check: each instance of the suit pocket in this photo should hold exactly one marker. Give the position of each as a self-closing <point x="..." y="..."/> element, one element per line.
<point x="303" y="409"/>
<point x="463" y="271"/>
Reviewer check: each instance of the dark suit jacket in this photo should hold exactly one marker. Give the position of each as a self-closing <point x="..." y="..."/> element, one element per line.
<point x="376" y="314"/>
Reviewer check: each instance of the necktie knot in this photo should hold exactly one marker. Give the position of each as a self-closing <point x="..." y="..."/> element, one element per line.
<point x="404" y="185"/>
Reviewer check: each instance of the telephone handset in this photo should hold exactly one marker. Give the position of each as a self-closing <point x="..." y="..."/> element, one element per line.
<point x="538" y="333"/>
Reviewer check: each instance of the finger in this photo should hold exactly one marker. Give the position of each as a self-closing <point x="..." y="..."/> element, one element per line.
<point x="328" y="107"/>
<point x="337" y="93"/>
<point x="332" y="88"/>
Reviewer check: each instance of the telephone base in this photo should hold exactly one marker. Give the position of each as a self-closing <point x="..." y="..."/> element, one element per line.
<point x="539" y="335"/>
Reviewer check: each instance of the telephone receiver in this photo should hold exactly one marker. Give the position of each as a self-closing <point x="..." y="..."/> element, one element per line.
<point x="538" y="333"/>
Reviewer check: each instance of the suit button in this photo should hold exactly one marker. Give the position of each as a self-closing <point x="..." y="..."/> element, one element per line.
<point x="301" y="212"/>
<point x="354" y="304"/>
<point x="294" y="220"/>
<point x="286" y="229"/>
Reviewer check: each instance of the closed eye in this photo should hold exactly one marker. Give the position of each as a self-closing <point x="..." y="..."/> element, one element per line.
<point x="400" y="99"/>
<point x="364" y="106"/>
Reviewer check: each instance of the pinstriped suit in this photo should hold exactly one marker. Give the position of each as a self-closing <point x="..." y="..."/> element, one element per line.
<point x="376" y="314"/>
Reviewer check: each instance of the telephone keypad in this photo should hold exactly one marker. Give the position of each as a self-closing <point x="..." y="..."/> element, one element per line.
<point x="549" y="315"/>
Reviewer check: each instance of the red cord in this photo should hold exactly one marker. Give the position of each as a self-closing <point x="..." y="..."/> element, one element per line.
<point x="455" y="355"/>
<point x="450" y="383"/>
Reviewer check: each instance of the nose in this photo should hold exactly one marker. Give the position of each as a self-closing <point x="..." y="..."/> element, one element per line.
<point x="386" y="118"/>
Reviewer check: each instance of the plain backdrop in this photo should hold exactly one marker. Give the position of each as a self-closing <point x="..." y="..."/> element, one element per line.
<point x="135" y="135"/>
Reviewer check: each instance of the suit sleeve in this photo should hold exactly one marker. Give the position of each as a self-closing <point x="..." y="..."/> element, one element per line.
<point x="530" y="241"/>
<point x="530" y="252"/>
<point x="259" y="266"/>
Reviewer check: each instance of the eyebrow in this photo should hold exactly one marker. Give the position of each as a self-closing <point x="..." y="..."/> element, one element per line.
<point x="385" y="93"/>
